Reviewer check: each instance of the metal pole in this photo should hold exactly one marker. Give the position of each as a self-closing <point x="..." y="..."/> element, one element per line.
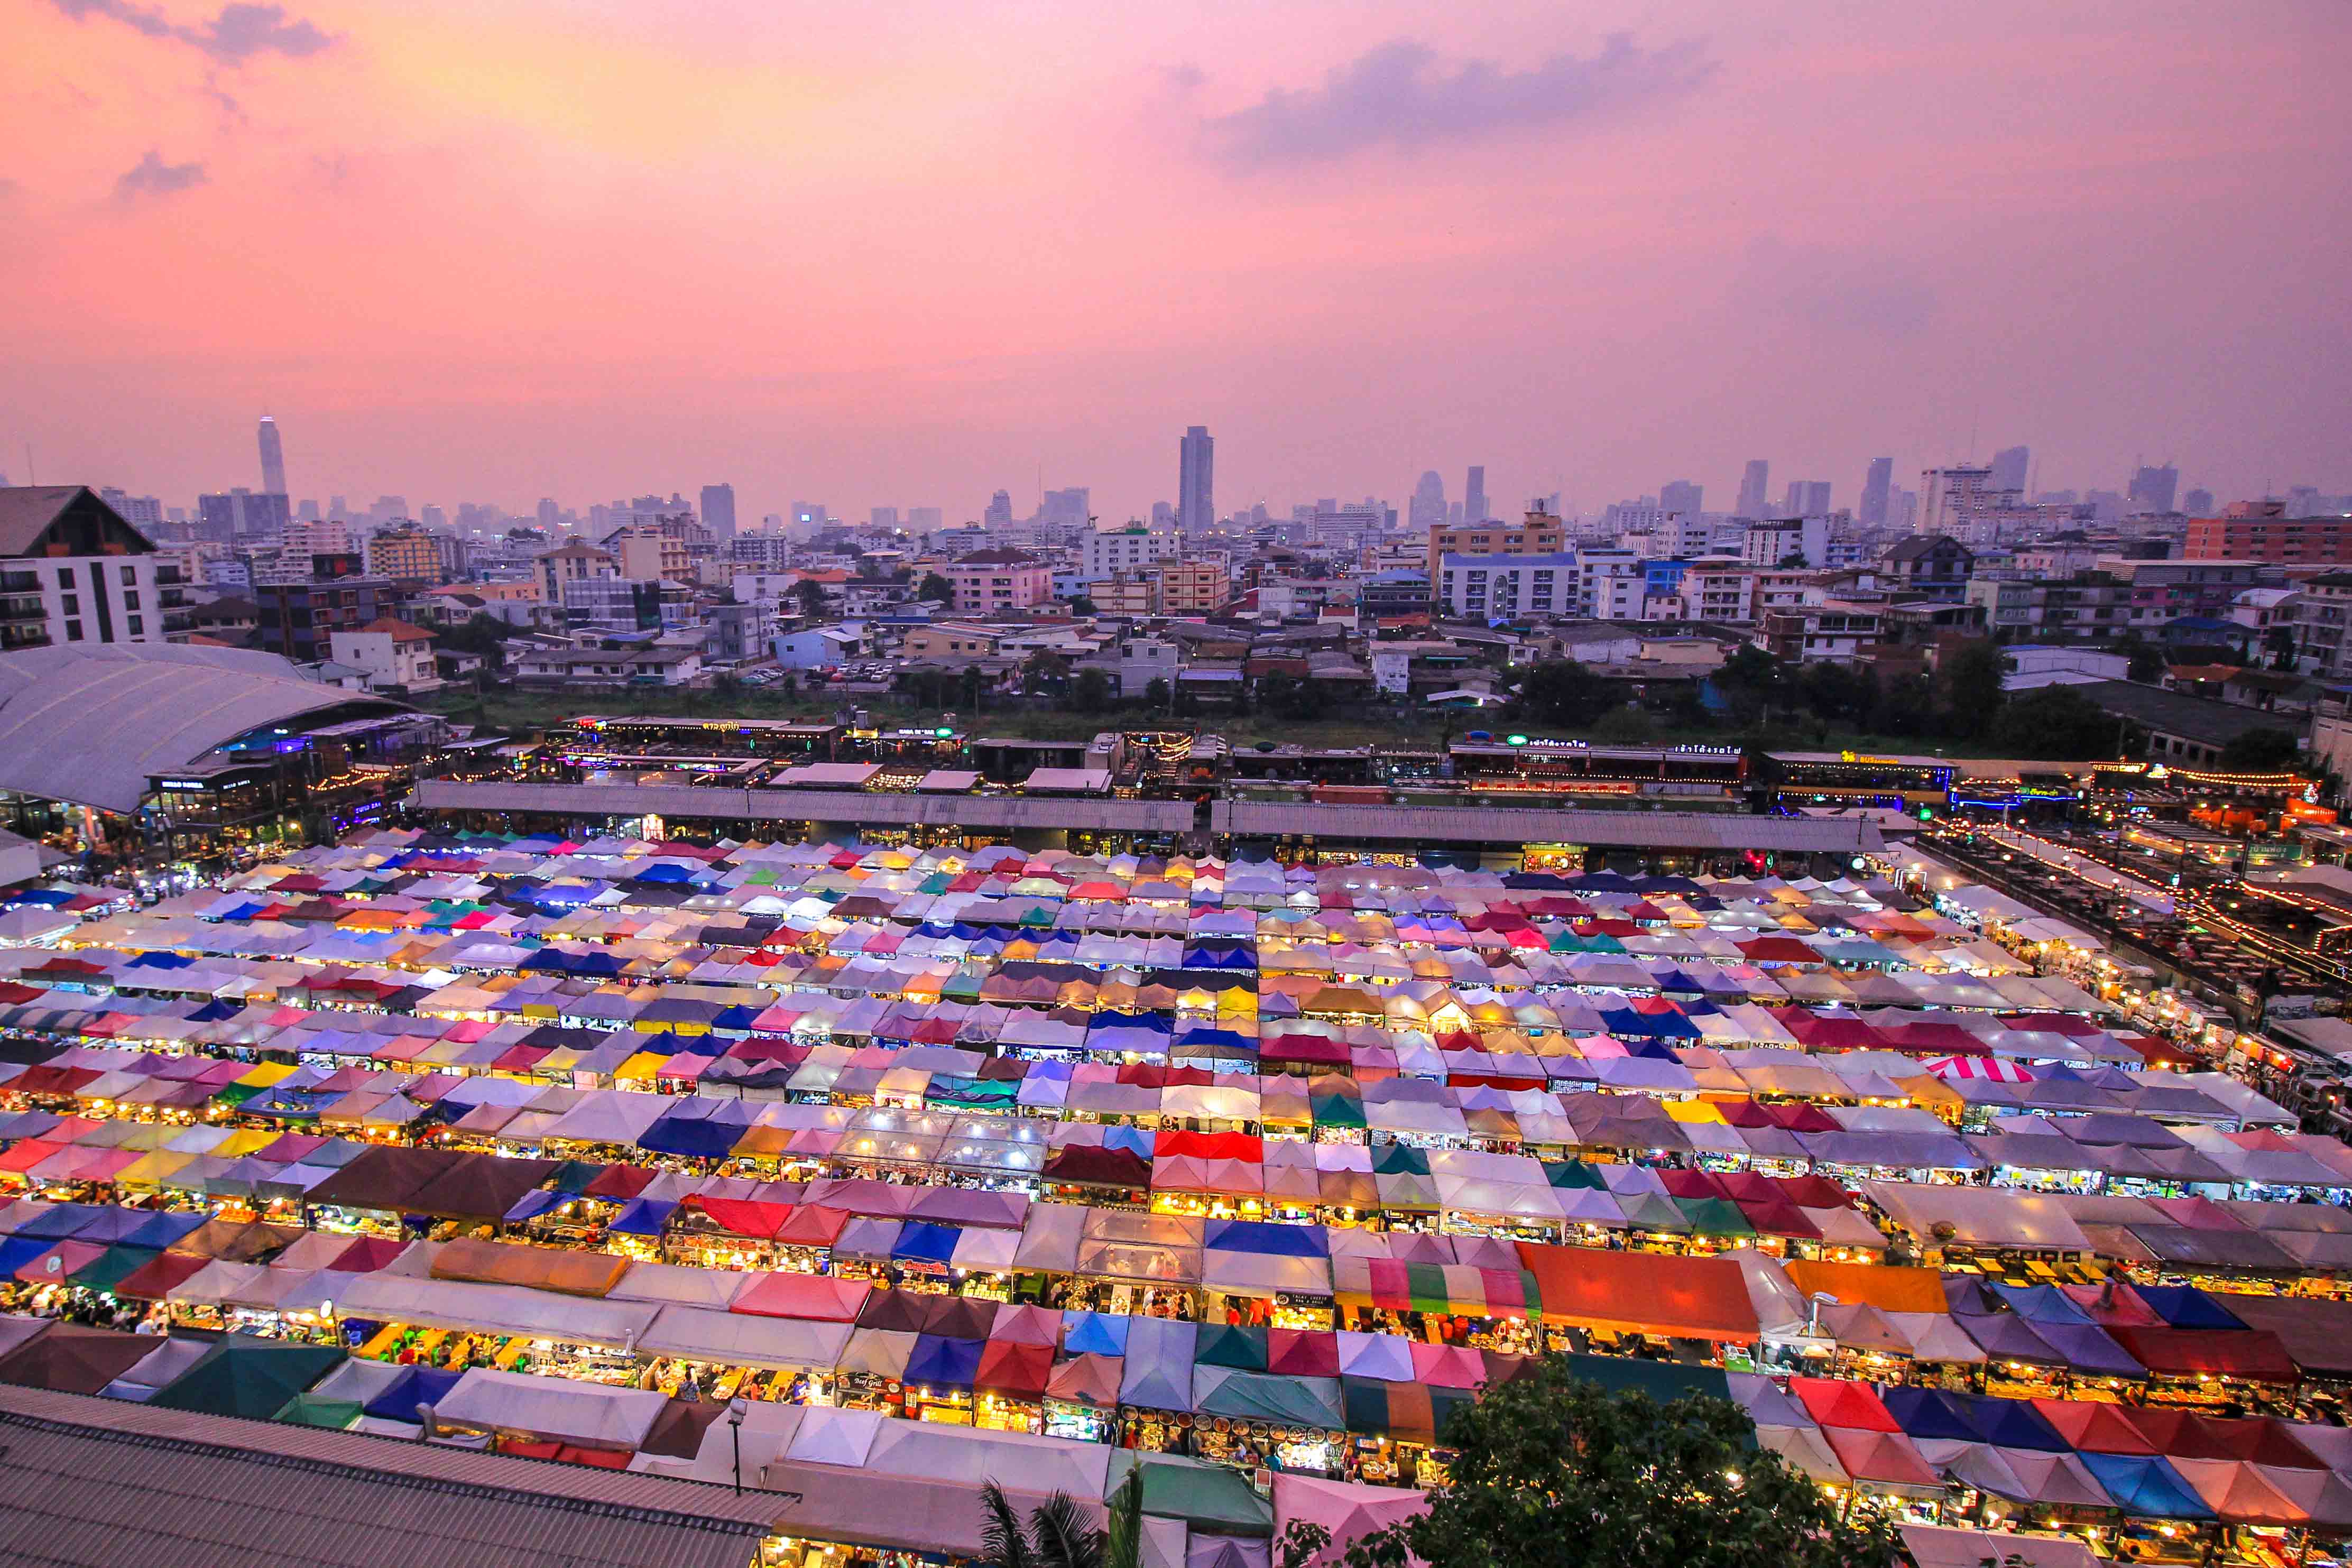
<point x="737" y="1427"/>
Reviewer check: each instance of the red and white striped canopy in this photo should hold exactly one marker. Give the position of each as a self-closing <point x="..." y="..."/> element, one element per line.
<point x="1997" y="1068"/>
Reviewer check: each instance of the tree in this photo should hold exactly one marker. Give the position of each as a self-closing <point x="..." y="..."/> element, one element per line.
<point x="1044" y="673"/>
<point x="934" y="589"/>
<point x="1090" y="692"/>
<point x="1972" y="690"/>
<point x="1082" y="606"/>
<point x="2263" y="752"/>
<point x="2059" y="724"/>
<point x="1057" y="1534"/>
<point x="1562" y="692"/>
<point x="811" y="597"/>
<point x="1752" y="682"/>
<point x="1554" y="1471"/>
<point x="1156" y="693"/>
<point x="480" y="633"/>
<point x="2280" y="643"/>
<point x="2146" y="658"/>
<point x="1288" y="697"/>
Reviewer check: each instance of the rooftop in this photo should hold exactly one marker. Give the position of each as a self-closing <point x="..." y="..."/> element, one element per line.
<point x="102" y="1482"/>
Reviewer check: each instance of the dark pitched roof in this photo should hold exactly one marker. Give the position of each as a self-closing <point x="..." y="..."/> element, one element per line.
<point x="997" y="556"/>
<point x="1920" y="545"/>
<point x="34" y="518"/>
<point x="2199" y="718"/>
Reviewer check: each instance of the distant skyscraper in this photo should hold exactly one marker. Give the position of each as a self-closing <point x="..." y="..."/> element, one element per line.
<point x="1064" y="509"/>
<point x="883" y="517"/>
<point x="338" y="509"/>
<point x="2010" y="467"/>
<point x="1752" y="485"/>
<point x="551" y="516"/>
<point x="1427" y="508"/>
<point x="1807" y="498"/>
<point x="2198" y="503"/>
<point x="923" y="518"/>
<point x="1163" y="515"/>
<point x="1875" y="486"/>
<point x="719" y="511"/>
<point x="1948" y="494"/>
<point x="1682" y="496"/>
<point x="273" y="459"/>
<point x="1000" y="510"/>
<point x="1196" y="481"/>
<point x="2152" y="489"/>
<point x="1474" y="496"/>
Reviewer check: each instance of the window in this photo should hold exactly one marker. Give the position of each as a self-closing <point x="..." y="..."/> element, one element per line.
<point x="73" y="631"/>
<point x="138" y="626"/>
<point x="131" y="599"/>
<point x="130" y="575"/>
<point x="66" y="578"/>
<point x="72" y="603"/>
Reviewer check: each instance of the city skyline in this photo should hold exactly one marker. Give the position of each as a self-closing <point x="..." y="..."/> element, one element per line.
<point x="1491" y="290"/>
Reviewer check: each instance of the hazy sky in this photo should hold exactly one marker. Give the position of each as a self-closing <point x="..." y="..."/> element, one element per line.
<point x="905" y="253"/>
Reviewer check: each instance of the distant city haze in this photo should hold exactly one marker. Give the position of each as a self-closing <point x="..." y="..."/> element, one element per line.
<point x="908" y="255"/>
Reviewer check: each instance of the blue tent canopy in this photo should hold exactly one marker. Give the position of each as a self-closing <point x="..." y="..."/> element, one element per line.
<point x="1925" y="1413"/>
<point x="532" y="1204"/>
<point x="417" y="1385"/>
<point x="1264" y="1238"/>
<point x="701" y="1138"/>
<point x="1093" y="1333"/>
<point x="939" y="1362"/>
<point x="160" y="1230"/>
<point x="2145" y="1486"/>
<point x="642" y="1216"/>
<point x="920" y="1241"/>
<point x="2010" y="1424"/>
<point x="2187" y="1307"/>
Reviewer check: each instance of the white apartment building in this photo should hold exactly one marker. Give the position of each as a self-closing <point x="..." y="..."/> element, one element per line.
<point x="1610" y="584"/>
<point x="1128" y="549"/>
<point x="395" y="655"/>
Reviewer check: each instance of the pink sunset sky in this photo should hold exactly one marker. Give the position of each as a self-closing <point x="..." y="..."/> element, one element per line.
<point x="904" y="254"/>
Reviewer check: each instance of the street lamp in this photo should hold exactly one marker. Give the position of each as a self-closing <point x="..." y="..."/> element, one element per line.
<point x="736" y="1411"/>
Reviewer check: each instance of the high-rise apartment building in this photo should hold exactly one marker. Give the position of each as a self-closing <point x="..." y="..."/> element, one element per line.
<point x="1474" y="495"/>
<point x="1947" y="495"/>
<point x="1538" y="533"/>
<point x="73" y="571"/>
<point x="1806" y="497"/>
<point x="273" y="459"/>
<point x="551" y="516"/>
<point x="1753" y="482"/>
<point x="719" y="511"/>
<point x="882" y="517"/>
<point x="1682" y="496"/>
<point x="2010" y="467"/>
<point x="923" y="518"/>
<point x="2196" y="504"/>
<point x="1000" y="510"/>
<point x="238" y="514"/>
<point x="1876" y="485"/>
<point x="2152" y="489"/>
<point x="2261" y="531"/>
<point x="1196" y="481"/>
<point x="406" y="555"/>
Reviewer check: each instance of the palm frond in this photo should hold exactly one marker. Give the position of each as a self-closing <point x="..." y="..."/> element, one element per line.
<point x="1064" y="1538"/>
<point x="1123" y="1540"/>
<point x="1002" y="1542"/>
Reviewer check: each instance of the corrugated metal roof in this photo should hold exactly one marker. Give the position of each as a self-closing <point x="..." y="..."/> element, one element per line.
<point x="98" y="1483"/>
<point x="1512" y="825"/>
<point x="88" y="723"/>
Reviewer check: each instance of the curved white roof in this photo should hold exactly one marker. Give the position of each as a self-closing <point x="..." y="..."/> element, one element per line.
<point x="89" y="722"/>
